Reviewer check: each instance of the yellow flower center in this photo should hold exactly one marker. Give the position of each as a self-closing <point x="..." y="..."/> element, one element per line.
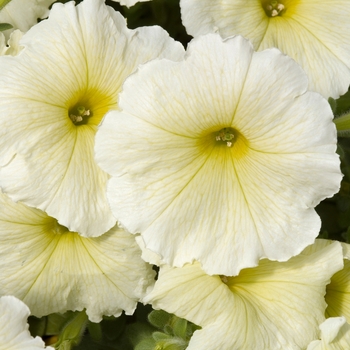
<point x="273" y="8"/>
<point x="89" y="107"/>
<point x="223" y="143"/>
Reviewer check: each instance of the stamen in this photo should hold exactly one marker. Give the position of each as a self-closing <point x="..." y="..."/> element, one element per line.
<point x="224" y="279"/>
<point x="225" y="135"/>
<point x="78" y="117"/>
<point x="273" y="8"/>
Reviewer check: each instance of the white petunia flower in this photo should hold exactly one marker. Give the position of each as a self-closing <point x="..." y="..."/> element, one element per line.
<point x="220" y="158"/>
<point x="314" y="33"/>
<point x="335" y="335"/>
<point x="272" y="306"/>
<point x="54" y="270"/>
<point x="14" y="333"/>
<point x="52" y="97"/>
<point x="129" y="3"/>
<point x="23" y="14"/>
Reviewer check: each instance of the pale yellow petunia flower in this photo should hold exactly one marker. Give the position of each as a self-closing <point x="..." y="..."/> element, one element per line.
<point x="54" y="270"/>
<point x="274" y="306"/>
<point x="313" y="32"/>
<point x="221" y="157"/>
<point x="52" y="98"/>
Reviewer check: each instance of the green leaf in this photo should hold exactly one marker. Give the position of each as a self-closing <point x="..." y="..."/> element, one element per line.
<point x="95" y="331"/>
<point x="72" y="332"/>
<point x="5" y="26"/>
<point x="55" y="322"/>
<point x="180" y="327"/>
<point x="160" y="336"/>
<point x="343" y="125"/>
<point x="137" y="332"/>
<point x="146" y="344"/>
<point x="159" y="318"/>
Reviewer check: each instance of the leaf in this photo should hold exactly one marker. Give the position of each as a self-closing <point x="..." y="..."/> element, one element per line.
<point x="5" y="26"/>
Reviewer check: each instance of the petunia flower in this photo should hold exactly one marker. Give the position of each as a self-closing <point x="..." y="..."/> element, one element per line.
<point x="14" y="333"/>
<point x="54" y="270"/>
<point x="221" y="157"/>
<point x="272" y="306"/>
<point x="314" y="33"/>
<point x="23" y="14"/>
<point x="335" y="335"/>
<point x="52" y="97"/>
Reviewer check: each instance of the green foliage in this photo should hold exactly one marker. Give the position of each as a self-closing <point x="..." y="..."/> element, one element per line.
<point x="173" y="333"/>
<point x="5" y="26"/>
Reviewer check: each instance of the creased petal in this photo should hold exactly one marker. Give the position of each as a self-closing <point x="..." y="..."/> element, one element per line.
<point x="54" y="270"/>
<point x="272" y="306"/>
<point x="23" y="14"/>
<point x="226" y="207"/>
<point x="338" y="291"/>
<point x="335" y="335"/>
<point x="47" y="159"/>
<point x="314" y="33"/>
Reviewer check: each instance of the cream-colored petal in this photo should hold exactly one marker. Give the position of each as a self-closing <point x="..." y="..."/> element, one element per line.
<point x="13" y="47"/>
<point x="225" y="207"/>
<point x="335" y="335"/>
<point x="272" y="306"/>
<point x="207" y="16"/>
<point x="129" y="3"/>
<point x="324" y="57"/>
<point x="46" y="160"/>
<point x="14" y="333"/>
<point x="314" y="33"/>
<point x="54" y="270"/>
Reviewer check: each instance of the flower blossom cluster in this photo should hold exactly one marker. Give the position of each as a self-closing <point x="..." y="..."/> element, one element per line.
<point x="121" y="149"/>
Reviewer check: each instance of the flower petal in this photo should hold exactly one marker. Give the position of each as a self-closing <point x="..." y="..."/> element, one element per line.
<point x="225" y="207"/>
<point x="23" y="14"/>
<point x="54" y="270"/>
<point x="272" y="306"/>
<point x="47" y="159"/>
<point x="338" y="291"/>
<point x="14" y="334"/>
<point x="335" y="335"/>
<point x="313" y="33"/>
